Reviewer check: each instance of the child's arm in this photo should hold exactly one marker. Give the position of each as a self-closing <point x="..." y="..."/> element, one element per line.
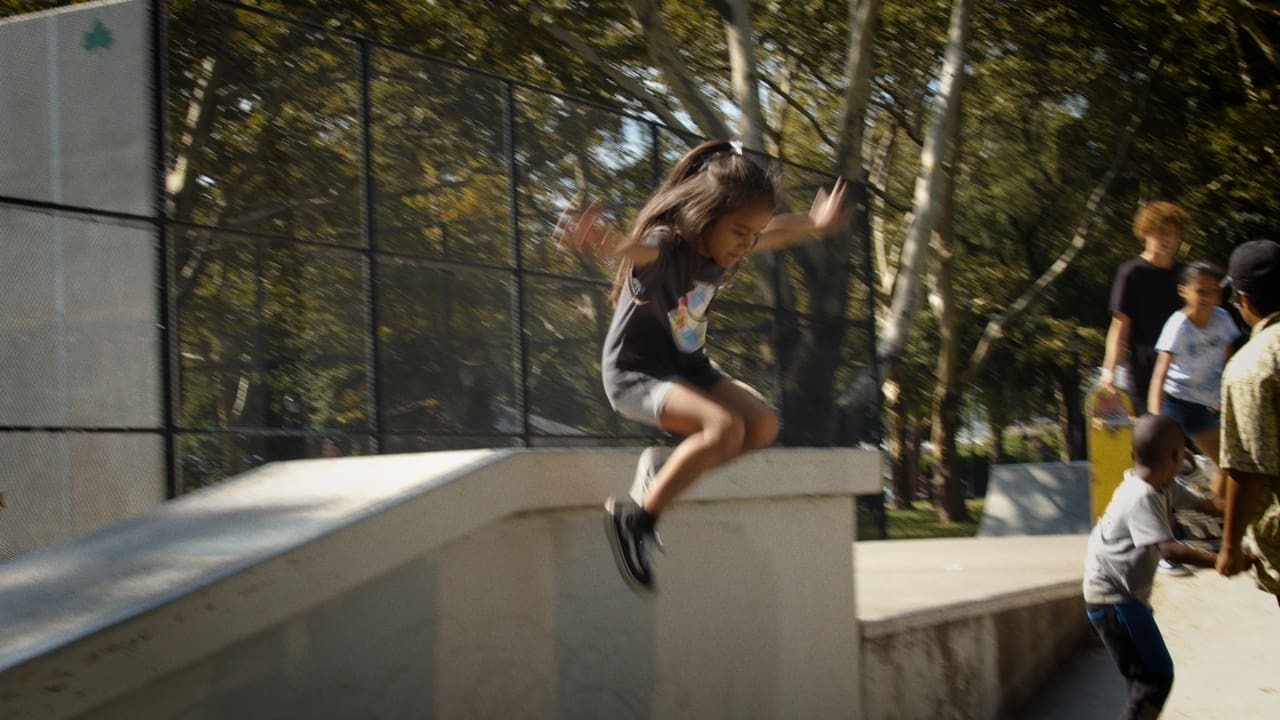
<point x="1179" y="552"/>
<point x="1117" y="340"/>
<point x="1155" y="392"/>
<point x="1212" y="505"/>
<point x="586" y="231"/>
<point x="792" y="228"/>
<point x="1245" y="491"/>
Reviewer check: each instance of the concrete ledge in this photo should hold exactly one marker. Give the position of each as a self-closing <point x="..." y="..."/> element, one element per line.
<point x="973" y="625"/>
<point x="97" y="618"/>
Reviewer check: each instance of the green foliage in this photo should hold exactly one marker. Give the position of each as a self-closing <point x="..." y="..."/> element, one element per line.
<point x="920" y="522"/>
<point x="266" y="117"/>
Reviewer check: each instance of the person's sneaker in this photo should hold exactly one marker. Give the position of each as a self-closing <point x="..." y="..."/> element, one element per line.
<point x="630" y="543"/>
<point x="651" y="460"/>
<point x="1173" y="568"/>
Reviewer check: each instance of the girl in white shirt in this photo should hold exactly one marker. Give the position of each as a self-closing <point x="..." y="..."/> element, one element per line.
<point x="1192" y="350"/>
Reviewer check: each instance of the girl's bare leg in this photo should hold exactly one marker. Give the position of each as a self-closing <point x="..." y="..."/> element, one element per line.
<point x="760" y="420"/>
<point x="718" y="427"/>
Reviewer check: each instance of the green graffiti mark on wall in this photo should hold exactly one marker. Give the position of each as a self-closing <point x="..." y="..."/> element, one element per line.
<point x="98" y="37"/>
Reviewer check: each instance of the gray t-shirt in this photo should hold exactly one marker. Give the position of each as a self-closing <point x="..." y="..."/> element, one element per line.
<point x="1120" y="564"/>
<point x="659" y="327"/>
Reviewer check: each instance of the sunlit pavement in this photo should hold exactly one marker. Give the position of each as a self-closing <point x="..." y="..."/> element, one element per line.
<point x="1224" y="635"/>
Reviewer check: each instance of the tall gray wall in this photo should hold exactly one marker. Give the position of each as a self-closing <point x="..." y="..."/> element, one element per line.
<point x="79" y="302"/>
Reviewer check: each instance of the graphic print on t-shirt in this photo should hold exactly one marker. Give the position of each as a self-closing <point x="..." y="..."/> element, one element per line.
<point x="688" y="319"/>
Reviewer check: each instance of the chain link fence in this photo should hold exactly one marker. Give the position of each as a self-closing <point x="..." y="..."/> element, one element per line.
<point x="349" y="252"/>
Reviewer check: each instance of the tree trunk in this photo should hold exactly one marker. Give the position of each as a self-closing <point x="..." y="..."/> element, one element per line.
<point x="811" y="350"/>
<point x="895" y="407"/>
<point x="864" y="18"/>
<point x="993" y="399"/>
<point x="651" y="100"/>
<point x="665" y="56"/>
<point x="948" y="494"/>
<point x="997" y="445"/>
<point x="917" y="431"/>
<point x="925" y="204"/>
<point x="1072" y="415"/>
<point x="736" y="17"/>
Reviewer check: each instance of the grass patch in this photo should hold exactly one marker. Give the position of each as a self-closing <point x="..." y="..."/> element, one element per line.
<point x="921" y="521"/>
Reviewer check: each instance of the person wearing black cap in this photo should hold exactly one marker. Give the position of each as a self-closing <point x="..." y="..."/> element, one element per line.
<point x="1251" y="419"/>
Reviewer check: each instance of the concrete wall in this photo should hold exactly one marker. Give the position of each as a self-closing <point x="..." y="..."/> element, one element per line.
<point x="79" y="337"/>
<point x="963" y="627"/>
<point x="468" y="584"/>
<point x="971" y="661"/>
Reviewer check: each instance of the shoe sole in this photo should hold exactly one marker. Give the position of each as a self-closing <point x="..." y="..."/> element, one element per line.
<point x="619" y="555"/>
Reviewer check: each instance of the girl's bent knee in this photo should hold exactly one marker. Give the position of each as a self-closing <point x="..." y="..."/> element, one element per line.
<point x="727" y="436"/>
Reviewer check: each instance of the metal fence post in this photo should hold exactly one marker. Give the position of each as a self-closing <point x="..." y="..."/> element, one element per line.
<point x="368" y="189"/>
<point x="862" y="200"/>
<point x="521" y="360"/>
<point x="168" y="312"/>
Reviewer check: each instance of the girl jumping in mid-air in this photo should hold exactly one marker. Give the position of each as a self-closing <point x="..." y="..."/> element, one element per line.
<point x="714" y="207"/>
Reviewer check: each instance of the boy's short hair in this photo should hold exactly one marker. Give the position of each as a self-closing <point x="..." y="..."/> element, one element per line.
<point x="1156" y="215"/>
<point x="1155" y="438"/>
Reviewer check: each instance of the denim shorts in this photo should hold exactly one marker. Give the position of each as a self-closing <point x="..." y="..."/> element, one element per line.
<point x="1193" y="417"/>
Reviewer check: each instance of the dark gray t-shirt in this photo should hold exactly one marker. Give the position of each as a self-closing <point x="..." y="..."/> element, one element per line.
<point x="659" y="327"/>
<point x="1121" y="561"/>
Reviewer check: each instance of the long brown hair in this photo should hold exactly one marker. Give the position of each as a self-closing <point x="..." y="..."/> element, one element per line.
<point x="711" y="180"/>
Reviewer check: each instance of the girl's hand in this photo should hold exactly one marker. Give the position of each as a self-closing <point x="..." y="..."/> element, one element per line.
<point x="582" y="230"/>
<point x="827" y="211"/>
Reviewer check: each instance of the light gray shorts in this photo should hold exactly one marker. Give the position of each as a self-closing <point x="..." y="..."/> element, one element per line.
<point x="643" y="401"/>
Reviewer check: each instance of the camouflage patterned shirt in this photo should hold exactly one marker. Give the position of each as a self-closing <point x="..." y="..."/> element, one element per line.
<point x="1251" y="435"/>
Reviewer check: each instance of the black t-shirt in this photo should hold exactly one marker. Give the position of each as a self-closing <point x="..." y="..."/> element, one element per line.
<point x="659" y="327"/>
<point x="1148" y="295"/>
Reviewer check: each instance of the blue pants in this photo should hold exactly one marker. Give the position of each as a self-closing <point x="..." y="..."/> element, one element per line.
<point x="1130" y="633"/>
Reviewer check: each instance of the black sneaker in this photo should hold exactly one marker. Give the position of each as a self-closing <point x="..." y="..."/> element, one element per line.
<point x="629" y="542"/>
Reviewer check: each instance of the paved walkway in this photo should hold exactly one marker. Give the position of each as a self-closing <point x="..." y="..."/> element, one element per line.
<point x="1224" y="636"/>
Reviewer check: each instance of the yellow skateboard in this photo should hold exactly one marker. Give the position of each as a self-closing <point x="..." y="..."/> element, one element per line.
<point x="1110" y="443"/>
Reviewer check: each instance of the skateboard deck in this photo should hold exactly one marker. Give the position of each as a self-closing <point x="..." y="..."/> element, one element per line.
<point x="1110" y="438"/>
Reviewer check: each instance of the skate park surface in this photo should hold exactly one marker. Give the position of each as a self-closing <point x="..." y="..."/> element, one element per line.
<point x="477" y="584"/>
<point x="1212" y="625"/>
<point x="1220" y="631"/>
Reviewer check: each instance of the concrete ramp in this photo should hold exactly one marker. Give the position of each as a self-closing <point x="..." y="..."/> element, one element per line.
<point x="464" y="584"/>
<point x="1037" y="499"/>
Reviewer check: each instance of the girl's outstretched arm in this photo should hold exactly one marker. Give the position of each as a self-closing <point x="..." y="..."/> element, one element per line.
<point x="787" y="229"/>
<point x="584" y="230"/>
